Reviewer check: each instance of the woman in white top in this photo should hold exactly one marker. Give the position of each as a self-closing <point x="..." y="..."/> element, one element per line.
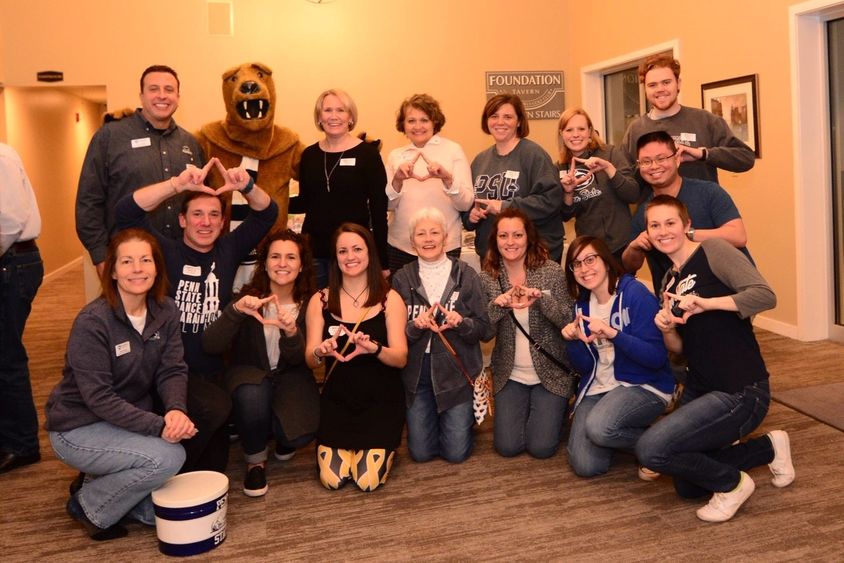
<point x="430" y="171"/>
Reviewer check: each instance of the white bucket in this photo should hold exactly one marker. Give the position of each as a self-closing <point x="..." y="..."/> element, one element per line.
<point x="190" y="512"/>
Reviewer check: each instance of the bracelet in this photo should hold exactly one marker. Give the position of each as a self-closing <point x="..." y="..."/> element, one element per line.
<point x="378" y="349"/>
<point x="705" y="154"/>
<point x="250" y="185"/>
<point x="318" y="358"/>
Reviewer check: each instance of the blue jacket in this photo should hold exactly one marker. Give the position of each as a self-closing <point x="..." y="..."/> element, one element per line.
<point x="640" y="354"/>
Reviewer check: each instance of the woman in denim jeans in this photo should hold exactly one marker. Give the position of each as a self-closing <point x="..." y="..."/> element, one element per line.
<point x="709" y="296"/>
<point x="525" y="288"/>
<point x="443" y="295"/>
<point x="124" y="348"/>
<point x="626" y="380"/>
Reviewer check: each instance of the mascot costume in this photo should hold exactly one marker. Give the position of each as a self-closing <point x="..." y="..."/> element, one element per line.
<point x="249" y="138"/>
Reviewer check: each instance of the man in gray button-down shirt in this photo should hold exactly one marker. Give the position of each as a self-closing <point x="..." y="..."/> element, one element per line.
<point x="144" y="148"/>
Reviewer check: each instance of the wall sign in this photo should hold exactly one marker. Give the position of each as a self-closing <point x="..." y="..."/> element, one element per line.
<point x="50" y="76"/>
<point x="542" y="91"/>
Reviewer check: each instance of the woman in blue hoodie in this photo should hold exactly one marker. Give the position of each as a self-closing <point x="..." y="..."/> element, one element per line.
<point x="626" y="381"/>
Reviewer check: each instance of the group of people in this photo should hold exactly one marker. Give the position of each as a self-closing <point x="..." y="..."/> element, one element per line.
<point x="394" y="319"/>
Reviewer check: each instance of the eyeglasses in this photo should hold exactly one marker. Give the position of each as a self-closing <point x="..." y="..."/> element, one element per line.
<point x="588" y="260"/>
<point x="648" y="163"/>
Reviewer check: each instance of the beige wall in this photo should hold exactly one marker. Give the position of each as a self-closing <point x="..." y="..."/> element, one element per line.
<point x="52" y="160"/>
<point x="717" y="40"/>
<point x="381" y="51"/>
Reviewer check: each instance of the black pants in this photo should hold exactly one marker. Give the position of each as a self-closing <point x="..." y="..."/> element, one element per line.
<point x="209" y="405"/>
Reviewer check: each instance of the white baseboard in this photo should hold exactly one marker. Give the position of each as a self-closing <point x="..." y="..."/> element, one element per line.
<point x="70" y="265"/>
<point x="775" y="326"/>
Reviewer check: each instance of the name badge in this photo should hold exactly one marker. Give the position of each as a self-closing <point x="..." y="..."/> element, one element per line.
<point x="138" y="143"/>
<point x="195" y="271"/>
<point x="688" y="137"/>
<point x="122" y="348"/>
<point x="347" y="161"/>
<point x="512" y="174"/>
<point x="249" y="163"/>
<point x="332" y="330"/>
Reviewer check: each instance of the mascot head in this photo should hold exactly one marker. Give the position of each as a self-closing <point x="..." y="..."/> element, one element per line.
<point x="249" y="95"/>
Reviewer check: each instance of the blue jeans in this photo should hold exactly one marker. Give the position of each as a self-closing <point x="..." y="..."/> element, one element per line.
<point x="429" y="434"/>
<point x="255" y="420"/>
<point x="607" y="422"/>
<point x="20" y="277"/>
<point x="693" y="444"/>
<point x="528" y="418"/>
<point x="123" y="468"/>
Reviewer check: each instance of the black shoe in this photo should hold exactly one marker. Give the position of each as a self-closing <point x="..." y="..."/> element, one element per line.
<point x="283" y="453"/>
<point x="255" y="483"/>
<point x="76" y="484"/>
<point x="94" y="532"/>
<point x="9" y="461"/>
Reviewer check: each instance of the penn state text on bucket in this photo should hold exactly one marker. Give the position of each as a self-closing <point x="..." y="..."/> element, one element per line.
<point x="190" y="512"/>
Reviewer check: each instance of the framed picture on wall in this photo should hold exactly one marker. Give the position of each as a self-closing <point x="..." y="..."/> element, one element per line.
<point x="735" y="100"/>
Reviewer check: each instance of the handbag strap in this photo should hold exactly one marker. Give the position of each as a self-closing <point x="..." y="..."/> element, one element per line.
<point x="536" y="346"/>
<point x="457" y="360"/>
<point x="346" y="346"/>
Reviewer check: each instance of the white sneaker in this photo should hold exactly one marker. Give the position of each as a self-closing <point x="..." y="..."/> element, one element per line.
<point x="781" y="467"/>
<point x="646" y="474"/>
<point x="723" y="506"/>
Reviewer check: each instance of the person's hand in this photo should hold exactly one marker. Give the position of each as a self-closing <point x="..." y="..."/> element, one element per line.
<point x="425" y="321"/>
<point x="479" y="211"/>
<point x="665" y="320"/>
<point x="594" y="163"/>
<point x="234" y="179"/>
<point x="492" y="206"/>
<point x="329" y="347"/>
<point x="436" y="170"/>
<point x="576" y="331"/>
<point x="598" y="328"/>
<point x="689" y="154"/>
<point x="688" y="305"/>
<point x="286" y="322"/>
<point x="253" y="306"/>
<point x="642" y="242"/>
<point x="523" y="297"/>
<point x="177" y="427"/>
<point x="451" y="319"/>
<point x="404" y="172"/>
<point x="193" y="179"/>
<point x="363" y="344"/>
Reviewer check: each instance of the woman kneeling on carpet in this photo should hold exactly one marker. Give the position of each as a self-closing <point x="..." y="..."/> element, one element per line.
<point x="124" y="349"/>
<point x="709" y="296"/>
<point x="447" y="319"/>
<point x="356" y="326"/>
<point x="626" y="380"/>
<point x="273" y="390"/>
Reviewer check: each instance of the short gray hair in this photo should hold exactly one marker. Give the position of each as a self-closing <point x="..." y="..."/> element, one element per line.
<point x="430" y="214"/>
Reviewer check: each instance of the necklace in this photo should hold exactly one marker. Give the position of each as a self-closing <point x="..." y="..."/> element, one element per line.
<point x="354" y="299"/>
<point x="325" y="168"/>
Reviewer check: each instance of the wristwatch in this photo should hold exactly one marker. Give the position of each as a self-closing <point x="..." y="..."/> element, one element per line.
<point x="690" y="234"/>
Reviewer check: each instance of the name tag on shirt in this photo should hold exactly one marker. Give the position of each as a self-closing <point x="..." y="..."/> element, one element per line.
<point x="688" y="137"/>
<point x="138" y="143"/>
<point x="249" y="163"/>
<point x="512" y="174"/>
<point x="122" y="348"/>
<point x="347" y="161"/>
<point x="192" y="270"/>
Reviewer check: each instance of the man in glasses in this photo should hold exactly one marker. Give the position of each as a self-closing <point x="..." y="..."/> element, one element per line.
<point x="712" y="210"/>
<point x="704" y="140"/>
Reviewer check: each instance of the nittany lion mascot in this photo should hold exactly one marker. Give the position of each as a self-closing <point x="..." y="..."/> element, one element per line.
<point x="248" y="137"/>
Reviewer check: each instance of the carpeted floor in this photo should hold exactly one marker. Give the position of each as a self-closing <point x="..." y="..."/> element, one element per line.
<point x="822" y="402"/>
